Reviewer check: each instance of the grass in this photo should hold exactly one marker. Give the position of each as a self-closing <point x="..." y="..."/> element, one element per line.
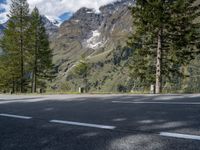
<point x="94" y="93"/>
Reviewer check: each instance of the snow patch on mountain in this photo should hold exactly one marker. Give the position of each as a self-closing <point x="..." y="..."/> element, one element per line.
<point x="57" y="22"/>
<point x="94" y="42"/>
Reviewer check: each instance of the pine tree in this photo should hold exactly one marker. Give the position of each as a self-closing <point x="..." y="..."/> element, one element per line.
<point x="27" y="54"/>
<point x="14" y="40"/>
<point x="165" y="31"/>
<point x="40" y="52"/>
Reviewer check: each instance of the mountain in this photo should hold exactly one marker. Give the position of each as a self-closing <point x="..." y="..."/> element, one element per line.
<point x="51" y="26"/>
<point x="100" y="38"/>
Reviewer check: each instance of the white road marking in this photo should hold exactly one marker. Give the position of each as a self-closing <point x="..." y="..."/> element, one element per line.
<point x="15" y="116"/>
<point x="84" y="124"/>
<point x="24" y="101"/>
<point x="168" y="103"/>
<point x="182" y="136"/>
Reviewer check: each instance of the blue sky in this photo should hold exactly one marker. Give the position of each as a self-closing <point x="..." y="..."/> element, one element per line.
<point x="55" y="9"/>
<point x="65" y="16"/>
<point x="2" y="1"/>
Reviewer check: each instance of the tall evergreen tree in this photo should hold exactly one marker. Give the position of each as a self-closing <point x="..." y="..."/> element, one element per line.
<point x="165" y="31"/>
<point x="27" y="55"/>
<point x="41" y="54"/>
<point x="15" y="39"/>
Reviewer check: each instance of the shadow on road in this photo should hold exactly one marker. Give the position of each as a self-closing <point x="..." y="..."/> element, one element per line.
<point x="137" y="124"/>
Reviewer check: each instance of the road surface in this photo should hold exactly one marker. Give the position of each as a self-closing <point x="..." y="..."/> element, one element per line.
<point x="100" y="122"/>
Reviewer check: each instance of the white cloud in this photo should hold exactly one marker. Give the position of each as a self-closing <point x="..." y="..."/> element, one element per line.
<point x="55" y="8"/>
<point x="3" y="15"/>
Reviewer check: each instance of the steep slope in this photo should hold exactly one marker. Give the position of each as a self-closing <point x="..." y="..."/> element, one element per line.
<point x="96" y="36"/>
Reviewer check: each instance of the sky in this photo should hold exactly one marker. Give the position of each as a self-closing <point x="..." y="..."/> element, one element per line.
<point x="55" y="9"/>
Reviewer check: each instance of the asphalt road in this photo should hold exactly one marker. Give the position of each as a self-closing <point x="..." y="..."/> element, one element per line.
<point x="96" y="122"/>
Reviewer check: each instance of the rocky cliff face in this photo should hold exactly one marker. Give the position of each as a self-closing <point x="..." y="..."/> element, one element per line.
<point x="51" y="27"/>
<point x="94" y="35"/>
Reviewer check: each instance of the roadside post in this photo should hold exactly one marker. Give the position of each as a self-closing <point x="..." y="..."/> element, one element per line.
<point x="81" y="90"/>
<point x="152" y="89"/>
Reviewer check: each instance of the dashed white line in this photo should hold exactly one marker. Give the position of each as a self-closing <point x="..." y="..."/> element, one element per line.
<point x="182" y="136"/>
<point x="167" y="103"/>
<point x="84" y="124"/>
<point x="165" y="134"/>
<point x="15" y="116"/>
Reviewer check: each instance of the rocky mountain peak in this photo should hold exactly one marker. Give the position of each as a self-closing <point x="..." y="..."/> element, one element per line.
<point x="50" y="26"/>
<point x="115" y="6"/>
<point x="80" y="25"/>
<point x="90" y="32"/>
<point x="84" y="10"/>
<point x="95" y="35"/>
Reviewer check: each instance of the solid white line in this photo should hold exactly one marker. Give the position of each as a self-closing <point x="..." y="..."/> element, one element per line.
<point x="84" y="124"/>
<point x="182" y="136"/>
<point x="168" y="103"/>
<point x="19" y="101"/>
<point x="15" y="116"/>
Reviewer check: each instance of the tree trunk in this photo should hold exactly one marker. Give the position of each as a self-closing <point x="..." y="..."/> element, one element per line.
<point x="21" y="55"/>
<point x="34" y="78"/>
<point x="22" y="70"/>
<point x="159" y="64"/>
<point x="13" y="86"/>
<point x="32" y="81"/>
<point x="34" y="85"/>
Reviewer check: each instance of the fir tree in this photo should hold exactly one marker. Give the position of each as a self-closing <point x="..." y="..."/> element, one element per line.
<point x="166" y="38"/>
<point x="41" y="54"/>
<point x="27" y="57"/>
<point x="14" y="40"/>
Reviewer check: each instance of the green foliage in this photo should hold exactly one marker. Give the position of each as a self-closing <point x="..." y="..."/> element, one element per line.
<point x="81" y="69"/>
<point x="40" y="53"/>
<point x="191" y="83"/>
<point x="120" y="54"/>
<point x="179" y="39"/>
<point x="65" y="87"/>
<point x="13" y="42"/>
<point x="27" y="58"/>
